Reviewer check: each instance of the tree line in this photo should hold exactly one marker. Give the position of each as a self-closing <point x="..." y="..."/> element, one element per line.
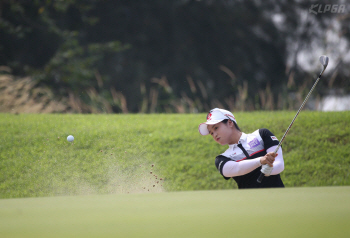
<point x="175" y="56"/>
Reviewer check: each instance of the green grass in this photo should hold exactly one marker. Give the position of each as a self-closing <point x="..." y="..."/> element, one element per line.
<point x="289" y="213"/>
<point x="145" y="155"/>
<point x="115" y="153"/>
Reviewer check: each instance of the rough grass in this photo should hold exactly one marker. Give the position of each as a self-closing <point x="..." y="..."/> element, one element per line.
<point x="115" y="153"/>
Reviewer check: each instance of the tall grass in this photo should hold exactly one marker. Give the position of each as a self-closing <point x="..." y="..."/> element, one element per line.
<point x="19" y="95"/>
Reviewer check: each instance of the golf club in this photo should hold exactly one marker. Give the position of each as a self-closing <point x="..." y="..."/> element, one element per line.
<point x="324" y="61"/>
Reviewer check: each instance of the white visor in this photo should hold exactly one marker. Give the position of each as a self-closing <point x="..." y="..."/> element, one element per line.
<point x="215" y="116"/>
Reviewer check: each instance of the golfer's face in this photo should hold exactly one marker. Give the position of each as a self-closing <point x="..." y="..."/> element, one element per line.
<point x="220" y="132"/>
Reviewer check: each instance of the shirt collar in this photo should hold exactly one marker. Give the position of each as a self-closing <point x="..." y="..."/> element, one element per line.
<point x="240" y="141"/>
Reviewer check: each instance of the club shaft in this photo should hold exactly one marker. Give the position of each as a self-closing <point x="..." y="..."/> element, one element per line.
<point x="301" y="107"/>
<point x="296" y="115"/>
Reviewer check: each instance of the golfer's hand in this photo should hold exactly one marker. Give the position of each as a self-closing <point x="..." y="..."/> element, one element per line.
<point x="268" y="159"/>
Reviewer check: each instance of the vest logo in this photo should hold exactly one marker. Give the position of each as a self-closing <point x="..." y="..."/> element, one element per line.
<point x="274" y="138"/>
<point x="254" y="143"/>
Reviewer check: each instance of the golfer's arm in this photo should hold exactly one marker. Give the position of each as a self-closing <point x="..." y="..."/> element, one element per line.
<point x="278" y="165"/>
<point x="233" y="169"/>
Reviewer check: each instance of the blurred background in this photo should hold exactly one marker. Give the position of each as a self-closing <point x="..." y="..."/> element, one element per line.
<point x="175" y="56"/>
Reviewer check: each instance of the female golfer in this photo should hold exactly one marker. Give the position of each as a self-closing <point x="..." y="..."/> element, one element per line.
<point x="247" y="155"/>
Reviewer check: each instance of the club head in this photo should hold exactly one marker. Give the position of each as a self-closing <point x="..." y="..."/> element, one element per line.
<point x="324" y="61"/>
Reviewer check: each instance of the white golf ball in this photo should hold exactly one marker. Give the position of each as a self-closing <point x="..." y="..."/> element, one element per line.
<point x="70" y="138"/>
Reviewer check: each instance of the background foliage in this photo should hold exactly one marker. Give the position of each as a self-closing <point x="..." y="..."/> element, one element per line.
<point x="175" y="56"/>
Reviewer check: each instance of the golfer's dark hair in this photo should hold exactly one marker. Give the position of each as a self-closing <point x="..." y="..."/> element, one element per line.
<point x="225" y="121"/>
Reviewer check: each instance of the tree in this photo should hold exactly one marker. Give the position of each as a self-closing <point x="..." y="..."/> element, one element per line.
<point x="174" y="56"/>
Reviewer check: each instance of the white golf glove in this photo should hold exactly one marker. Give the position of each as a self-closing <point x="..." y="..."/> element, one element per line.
<point x="266" y="169"/>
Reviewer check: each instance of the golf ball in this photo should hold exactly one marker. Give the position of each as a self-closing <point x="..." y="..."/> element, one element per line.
<point x="70" y="138"/>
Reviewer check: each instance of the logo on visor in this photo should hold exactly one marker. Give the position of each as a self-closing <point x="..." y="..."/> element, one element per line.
<point x="209" y="116"/>
<point x="228" y="115"/>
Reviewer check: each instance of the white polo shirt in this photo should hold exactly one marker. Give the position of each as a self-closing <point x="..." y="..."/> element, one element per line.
<point x="249" y="147"/>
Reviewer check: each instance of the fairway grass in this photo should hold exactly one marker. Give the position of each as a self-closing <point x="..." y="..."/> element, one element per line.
<point x="290" y="212"/>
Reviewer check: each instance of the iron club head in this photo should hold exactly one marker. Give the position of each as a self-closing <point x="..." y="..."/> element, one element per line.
<point x="324" y="61"/>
